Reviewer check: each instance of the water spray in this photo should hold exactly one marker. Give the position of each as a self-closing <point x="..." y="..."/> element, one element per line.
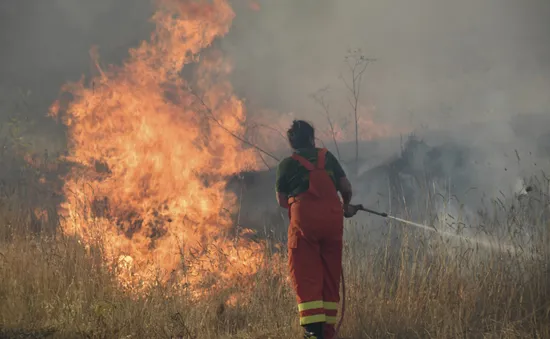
<point x="484" y="243"/>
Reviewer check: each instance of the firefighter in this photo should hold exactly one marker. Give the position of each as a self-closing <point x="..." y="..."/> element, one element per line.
<point x="307" y="185"/>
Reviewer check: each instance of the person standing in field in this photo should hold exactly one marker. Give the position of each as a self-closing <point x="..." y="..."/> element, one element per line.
<point x="307" y="185"/>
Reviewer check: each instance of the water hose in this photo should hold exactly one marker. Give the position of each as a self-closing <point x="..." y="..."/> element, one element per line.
<point x="386" y="215"/>
<point x="343" y="312"/>
<point x="343" y="307"/>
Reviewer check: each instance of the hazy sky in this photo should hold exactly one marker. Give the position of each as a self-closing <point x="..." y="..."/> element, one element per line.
<point x="435" y="57"/>
<point x="438" y="61"/>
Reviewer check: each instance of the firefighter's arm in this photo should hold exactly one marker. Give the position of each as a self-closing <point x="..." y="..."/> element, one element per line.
<point x="342" y="182"/>
<point x="282" y="199"/>
<point x="347" y="192"/>
<point x="344" y="186"/>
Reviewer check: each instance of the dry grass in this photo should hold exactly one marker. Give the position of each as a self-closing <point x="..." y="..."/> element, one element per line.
<point x="52" y="287"/>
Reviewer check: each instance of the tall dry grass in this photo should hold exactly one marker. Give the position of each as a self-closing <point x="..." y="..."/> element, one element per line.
<point x="417" y="287"/>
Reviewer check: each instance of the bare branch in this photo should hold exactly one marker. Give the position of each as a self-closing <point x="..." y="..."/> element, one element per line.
<point x="357" y="65"/>
<point x="212" y="117"/>
<point x="348" y="86"/>
<point x="260" y="154"/>
<point x="319" y="98"/>
<point x="255" y="124"/>
<point x="263" y="160"/>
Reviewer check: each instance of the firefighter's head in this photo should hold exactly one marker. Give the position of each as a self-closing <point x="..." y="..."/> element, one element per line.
<point x="301" y="135"/>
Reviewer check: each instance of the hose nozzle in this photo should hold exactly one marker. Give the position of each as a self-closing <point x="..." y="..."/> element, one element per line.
<point x="381" y="214"/>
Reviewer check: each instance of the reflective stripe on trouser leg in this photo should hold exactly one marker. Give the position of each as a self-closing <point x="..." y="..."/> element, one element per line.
<point x="330" y="305"/>
<point x="306" y="272"/>
<point x="310" y="305"/>
<point x="331" y="253"/>
<point x="311" y="312"/>
<point x="331" y="312"/>
<point x="331" y="320"/>
<point x="311" y="319"/>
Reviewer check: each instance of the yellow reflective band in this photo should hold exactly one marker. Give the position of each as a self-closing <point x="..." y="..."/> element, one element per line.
<point x="310" y="305"/>
<point x="330" y="305"/>
<point x="310" y="319"/>
<point x="331" y="320"/>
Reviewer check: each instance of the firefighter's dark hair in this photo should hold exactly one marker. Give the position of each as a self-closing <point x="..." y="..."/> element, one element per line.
<point x="301" y="134"/>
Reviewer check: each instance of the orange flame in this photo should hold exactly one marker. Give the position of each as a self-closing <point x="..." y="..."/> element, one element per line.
<point x="150" y="185"/>
<point x="254" y="5"/>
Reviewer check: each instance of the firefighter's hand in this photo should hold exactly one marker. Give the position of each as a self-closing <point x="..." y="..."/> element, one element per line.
<point x="351" y="210"/>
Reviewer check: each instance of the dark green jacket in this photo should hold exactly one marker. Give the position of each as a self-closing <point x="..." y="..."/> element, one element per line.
<point x="293" y="178"/>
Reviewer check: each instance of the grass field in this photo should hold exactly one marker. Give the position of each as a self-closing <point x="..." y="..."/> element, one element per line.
<point x="51" y="286"/>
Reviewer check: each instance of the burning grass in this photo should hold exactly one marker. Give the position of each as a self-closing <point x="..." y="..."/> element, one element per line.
<point x="52" y="286"/>
<point x="135" y="239"/>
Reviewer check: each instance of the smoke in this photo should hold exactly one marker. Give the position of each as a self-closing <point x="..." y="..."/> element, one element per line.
<point x="465" y="67"/>
<point x="439" y="62"/>
<point x="46" y="44"/>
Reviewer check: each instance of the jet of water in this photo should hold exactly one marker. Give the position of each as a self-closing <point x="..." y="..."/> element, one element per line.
<point x="481" y="242"/>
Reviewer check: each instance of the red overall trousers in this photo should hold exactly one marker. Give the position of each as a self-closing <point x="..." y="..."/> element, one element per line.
<point x="315" y="246"/>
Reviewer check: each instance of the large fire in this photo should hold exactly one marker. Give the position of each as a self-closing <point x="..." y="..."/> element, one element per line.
<point x="152" y="154"/>
<point x="153" y="150"/>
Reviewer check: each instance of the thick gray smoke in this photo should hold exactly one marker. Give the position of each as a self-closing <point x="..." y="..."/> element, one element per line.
<point x="457" y="72"/>
<point x="439" y="62"/>
<point x="45" y="44"/>
<point x="463" y="67"/>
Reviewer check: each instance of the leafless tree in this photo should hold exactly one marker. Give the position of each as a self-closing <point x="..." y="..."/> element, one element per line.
<point x="320" y="98"/>
<point x="357" y="64"/>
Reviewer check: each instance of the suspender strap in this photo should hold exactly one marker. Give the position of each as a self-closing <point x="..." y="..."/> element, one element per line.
<point x="321" y="157"/>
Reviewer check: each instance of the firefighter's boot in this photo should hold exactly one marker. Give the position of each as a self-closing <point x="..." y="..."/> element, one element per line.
<point x="314" y="331"/>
